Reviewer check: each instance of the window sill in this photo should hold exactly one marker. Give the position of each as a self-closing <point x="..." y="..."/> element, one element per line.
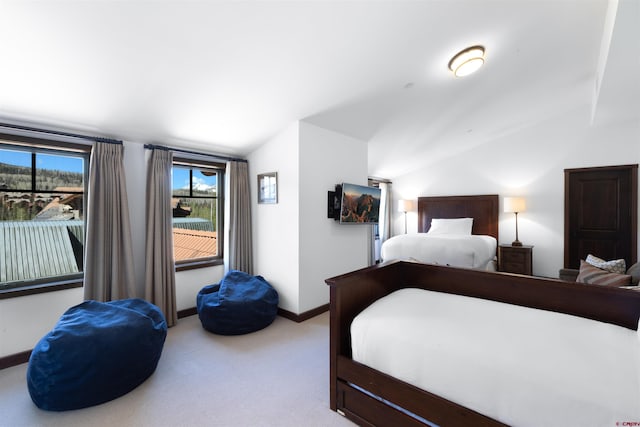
<point x="204" y="263"/>
<point x="39" y="289"/>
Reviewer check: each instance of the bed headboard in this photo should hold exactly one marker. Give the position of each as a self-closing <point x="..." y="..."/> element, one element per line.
<point x="483" y="209"/>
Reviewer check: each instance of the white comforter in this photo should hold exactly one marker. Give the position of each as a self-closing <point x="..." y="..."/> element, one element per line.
<point x="521" y="366"/>
<point x="465" y="251"/>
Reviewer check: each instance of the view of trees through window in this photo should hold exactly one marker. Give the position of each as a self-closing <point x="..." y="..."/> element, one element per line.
<point x="195" y="212"/>
<point x="41" y="215"/>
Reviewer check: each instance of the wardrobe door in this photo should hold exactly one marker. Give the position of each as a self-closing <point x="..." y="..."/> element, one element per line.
<point x="601" y="214"/>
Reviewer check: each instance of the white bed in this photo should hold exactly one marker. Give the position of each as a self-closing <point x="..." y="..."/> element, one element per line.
<point x="458" y="231"/>
<point x="465" y="251"/>
<point x="553" y="369"/>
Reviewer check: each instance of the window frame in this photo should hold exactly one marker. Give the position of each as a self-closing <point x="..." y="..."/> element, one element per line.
<point x="52" y="147"/>
<point x="220" y="169"/>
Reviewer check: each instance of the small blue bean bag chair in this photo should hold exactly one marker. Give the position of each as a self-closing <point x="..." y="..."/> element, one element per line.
<point x="95" y="353"/>
<point x="239" y="304"/>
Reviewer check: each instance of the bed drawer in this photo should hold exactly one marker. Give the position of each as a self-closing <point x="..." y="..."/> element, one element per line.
<point x="515" y="259"/>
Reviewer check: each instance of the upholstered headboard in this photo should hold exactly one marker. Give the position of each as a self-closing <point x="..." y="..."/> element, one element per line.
<point x="483" y="209"/>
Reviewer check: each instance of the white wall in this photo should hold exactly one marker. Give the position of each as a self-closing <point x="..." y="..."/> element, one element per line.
<point x="530" y="163"/>
<point x="295" y="246"/>
<point x="327" y="248"/>
<point x="275" y="226"/>
<point x="189" y="283"/>
<point x="24" y="320"/>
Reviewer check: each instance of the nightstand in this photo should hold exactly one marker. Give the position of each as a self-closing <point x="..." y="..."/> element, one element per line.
<point x="515" y="259"/>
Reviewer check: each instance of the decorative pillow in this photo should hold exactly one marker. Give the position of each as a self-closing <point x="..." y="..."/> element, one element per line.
<point x="596" y="276"/>
<point x="634" y="272"/>
<point x="614" y="266"/>
<point x="451" y="226"/>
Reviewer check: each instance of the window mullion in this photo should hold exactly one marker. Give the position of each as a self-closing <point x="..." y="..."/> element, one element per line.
<point x="33" y="172"/>
<point x="190" y="182"/>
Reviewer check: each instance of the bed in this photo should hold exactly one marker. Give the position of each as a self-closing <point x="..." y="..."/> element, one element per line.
<point x="370" y="397"/>
<point x="459" y="231"/>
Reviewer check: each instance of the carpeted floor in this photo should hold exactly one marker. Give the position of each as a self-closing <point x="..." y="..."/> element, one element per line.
<point x="275" y="377"/>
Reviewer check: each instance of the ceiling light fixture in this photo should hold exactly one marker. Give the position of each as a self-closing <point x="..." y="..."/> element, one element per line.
<point x="467" y="61"/>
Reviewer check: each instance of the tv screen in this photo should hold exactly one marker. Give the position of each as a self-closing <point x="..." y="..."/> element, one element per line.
<point x="359" y="204"/>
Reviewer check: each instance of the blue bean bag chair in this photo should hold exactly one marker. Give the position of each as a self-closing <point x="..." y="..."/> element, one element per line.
<point x="95" y="353"/>
<point x="239" y="304"/>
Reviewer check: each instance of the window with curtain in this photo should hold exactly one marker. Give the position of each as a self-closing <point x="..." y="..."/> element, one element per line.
<point x="42" y="221"/>
<point x="197" y="212"/>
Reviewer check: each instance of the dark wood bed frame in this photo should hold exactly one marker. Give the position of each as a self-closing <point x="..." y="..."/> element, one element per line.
<point x="352" y="292"/>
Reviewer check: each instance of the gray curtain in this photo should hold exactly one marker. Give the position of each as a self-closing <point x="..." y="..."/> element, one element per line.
<point x="385" y="211"/>
<point x="384" y="226"/>
<point x="108" y="263"/>
<point x="160" y="282"/>
<point x="238" y="243"/>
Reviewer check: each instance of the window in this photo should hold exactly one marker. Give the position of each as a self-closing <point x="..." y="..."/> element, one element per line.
<point x="42" y="199"/>
<point x="197" y="217"/>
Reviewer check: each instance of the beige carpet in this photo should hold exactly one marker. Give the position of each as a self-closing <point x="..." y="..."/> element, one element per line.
<point x="275" y="377"/>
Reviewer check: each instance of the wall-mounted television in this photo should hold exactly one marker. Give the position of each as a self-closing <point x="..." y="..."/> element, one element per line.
<point x="355" y="204"/>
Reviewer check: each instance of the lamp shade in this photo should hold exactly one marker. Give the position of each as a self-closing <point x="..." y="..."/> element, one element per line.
<point x="514" y="204"/>
<point x="405" y="205"/>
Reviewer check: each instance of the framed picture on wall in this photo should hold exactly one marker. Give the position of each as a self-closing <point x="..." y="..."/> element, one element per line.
<point x="268" y="187"/>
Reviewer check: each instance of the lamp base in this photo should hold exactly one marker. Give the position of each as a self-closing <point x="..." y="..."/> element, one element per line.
<point x="516" y="243"/>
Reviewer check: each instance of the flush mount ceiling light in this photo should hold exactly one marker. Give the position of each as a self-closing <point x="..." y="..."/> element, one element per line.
<point x="467" y="61"/>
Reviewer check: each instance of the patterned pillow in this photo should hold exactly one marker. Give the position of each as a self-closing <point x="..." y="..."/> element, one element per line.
<point x="596" y="276"/>
<point x="614" y="266"/>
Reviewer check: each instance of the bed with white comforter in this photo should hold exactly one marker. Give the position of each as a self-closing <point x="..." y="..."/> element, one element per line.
<point x="493" y="350"/>
<point x="456" y="250"/>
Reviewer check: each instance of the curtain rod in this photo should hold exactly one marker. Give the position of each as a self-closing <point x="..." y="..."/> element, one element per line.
<point x="59" y="133"/>
<point x="180" y="150"/>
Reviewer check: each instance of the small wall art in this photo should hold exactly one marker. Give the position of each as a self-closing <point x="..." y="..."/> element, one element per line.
<point x="268" y="188"/>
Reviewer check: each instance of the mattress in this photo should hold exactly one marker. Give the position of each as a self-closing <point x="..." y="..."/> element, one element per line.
<point x="464" y="251"/>
<point x="518" y="365"/>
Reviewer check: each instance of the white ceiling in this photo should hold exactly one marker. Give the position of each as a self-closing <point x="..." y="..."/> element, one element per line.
<point x="224" y="76"/>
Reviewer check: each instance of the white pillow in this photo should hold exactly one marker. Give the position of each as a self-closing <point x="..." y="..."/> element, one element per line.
<point x="459" y="226"/>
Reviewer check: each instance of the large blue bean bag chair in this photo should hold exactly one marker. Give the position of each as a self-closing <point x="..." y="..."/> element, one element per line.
<point x="239" y="304"/>
<point x="96" y="352"/>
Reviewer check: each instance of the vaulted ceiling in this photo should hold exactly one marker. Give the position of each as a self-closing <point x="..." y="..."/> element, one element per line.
<point x="224" y="76"/>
